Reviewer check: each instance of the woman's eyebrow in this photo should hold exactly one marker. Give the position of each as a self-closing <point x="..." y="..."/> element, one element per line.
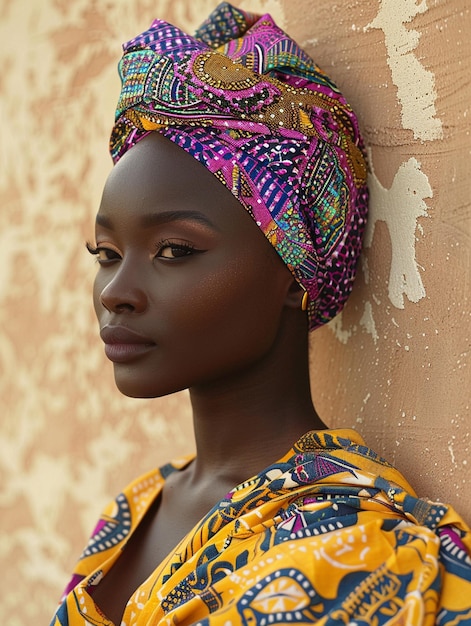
<point x="162" y="217"/>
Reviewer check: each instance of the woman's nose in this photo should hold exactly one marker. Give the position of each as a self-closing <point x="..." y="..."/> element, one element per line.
<point x="122" y="294"/>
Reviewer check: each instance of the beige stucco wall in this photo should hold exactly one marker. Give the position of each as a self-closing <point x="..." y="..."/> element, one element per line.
<point x="395" y="365"/>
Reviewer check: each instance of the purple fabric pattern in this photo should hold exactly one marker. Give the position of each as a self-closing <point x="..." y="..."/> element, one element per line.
<point x="250" y="105"/>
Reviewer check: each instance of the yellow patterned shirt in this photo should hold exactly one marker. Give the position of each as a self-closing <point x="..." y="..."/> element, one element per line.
<point x="329" y="534"/>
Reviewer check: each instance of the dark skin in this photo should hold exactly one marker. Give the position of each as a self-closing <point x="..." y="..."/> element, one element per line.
<point x="212" y="309"/>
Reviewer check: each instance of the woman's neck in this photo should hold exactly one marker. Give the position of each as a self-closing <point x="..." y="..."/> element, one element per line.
<point x="248" y="420"/>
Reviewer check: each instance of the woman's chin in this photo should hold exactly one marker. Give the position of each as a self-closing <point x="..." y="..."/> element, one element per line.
<point x="131" y="387"/>
<point x="140" y="388"/>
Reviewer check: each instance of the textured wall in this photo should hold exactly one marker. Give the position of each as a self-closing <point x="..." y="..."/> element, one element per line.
<point x="394" y="365"/>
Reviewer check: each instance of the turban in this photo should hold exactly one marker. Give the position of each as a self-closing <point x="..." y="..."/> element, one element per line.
<point x="249" y="104"/>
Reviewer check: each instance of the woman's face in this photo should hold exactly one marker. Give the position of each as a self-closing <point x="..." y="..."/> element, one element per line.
<point x="188" y="291"/>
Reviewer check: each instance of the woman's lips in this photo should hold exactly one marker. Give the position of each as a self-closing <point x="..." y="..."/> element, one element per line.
<point x="125" y="352"/>
<point x="123" y="345"/>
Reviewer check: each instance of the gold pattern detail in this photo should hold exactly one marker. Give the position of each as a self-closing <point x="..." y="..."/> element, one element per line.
<point x="221" y="72"/>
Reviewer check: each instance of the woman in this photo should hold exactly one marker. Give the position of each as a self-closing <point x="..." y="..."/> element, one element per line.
<point x="218" y="154"/>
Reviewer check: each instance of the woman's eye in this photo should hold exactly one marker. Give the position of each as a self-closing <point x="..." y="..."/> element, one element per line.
<point x="103" y="254"/>
<point x="174" y="250"/>
<point x="106" y="254"/>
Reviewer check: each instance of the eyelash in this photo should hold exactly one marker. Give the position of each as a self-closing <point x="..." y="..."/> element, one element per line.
<point x="96" y="250"/>
<point x="184" y="246"/>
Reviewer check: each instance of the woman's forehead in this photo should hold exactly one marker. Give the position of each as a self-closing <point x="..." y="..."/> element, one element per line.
<point x="157" y="181"/>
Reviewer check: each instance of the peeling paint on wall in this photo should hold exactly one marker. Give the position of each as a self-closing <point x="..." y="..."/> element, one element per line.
<point x="368" y="322"/>
<point x="415" y="84"/>
<point x="400" y="207"/>
<point x="341" y="334"/>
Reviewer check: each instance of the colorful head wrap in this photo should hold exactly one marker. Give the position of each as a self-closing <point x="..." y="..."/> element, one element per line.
<point x="245" y="101"/>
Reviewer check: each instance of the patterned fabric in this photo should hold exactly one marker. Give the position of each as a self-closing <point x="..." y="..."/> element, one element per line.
<point x="250" y="105"/>
<point x="330" y="534"/>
